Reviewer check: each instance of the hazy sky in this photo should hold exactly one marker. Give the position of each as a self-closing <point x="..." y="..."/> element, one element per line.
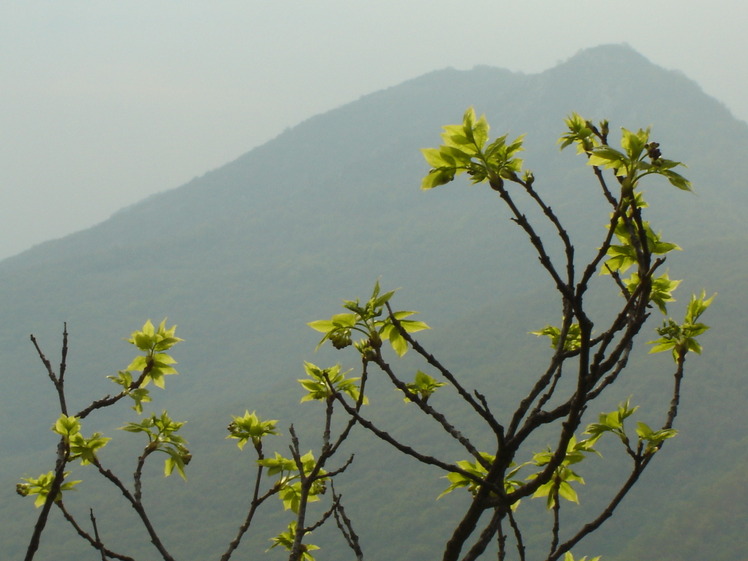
<point x="105" y="102"/>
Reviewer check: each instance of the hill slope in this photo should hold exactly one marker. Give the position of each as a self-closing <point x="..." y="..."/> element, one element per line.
<point x="242" y="257"/>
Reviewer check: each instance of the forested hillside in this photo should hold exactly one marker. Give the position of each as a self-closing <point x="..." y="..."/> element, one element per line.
<point x="244" y="256"/>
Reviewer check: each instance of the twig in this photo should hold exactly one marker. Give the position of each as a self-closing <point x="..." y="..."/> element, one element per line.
<point x="95" y="542"/>
<point x="99" y="545"/>
<point x="345" y="526"/>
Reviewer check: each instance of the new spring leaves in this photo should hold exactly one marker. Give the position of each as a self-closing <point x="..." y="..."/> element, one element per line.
<point x="371" y="321"/>
<point x="465" y="149"/>
<point x="150" y="366"/>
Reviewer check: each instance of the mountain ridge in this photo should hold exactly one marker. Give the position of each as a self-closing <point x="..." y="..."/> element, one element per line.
<point x="480" y="79"/>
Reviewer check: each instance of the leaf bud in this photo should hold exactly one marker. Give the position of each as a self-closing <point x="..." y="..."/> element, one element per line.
<point x="653" y="151"/>
<point x="341" y="339"/>
<point x="604" y="128"/>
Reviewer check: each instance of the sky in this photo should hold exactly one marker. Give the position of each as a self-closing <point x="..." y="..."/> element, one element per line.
<point x="104" y="103"/>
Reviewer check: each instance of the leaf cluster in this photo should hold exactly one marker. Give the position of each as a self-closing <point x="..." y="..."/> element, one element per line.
<point x="161" y="432"/>
<point x="638" y="157"/>
<point x="423" y="386"/>
<point x="150" y="366"/>
<point x="289" y="484"/>
<point x="371" y="321"/>
<point x="680" y="338"/>
<point x="287" y="539"/>
<point x="465" y="150"/>
<point x="324" y="383"/>
<point x="250" y="427"/>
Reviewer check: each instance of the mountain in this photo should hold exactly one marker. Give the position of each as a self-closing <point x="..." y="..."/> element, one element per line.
<point x="244" y="256"/>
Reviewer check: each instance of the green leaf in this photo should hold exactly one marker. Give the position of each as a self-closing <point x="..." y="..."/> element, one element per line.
<point x="579" y="133"/>
<point x="569" y="557"/>
<point x="423" y="385"/>
<point x="287" y="539"/>
<point x="566" y="491"/>
<point x="436" y="158"/>
<point x="607" y="157"/>
<point x="612" y="422"/>
<point x="138" y="363"/>
<point x="411" y="326"/>
<point x="85" y="448"/>
<point x="398" y="342"/>
<point x="278" y="464"/>
<point x="437" y="177"/>
<point x="463" y="151"/>
<point x="67" y="426"/>
<point x="324" y="383"/>
<point x="633" y="142"/>
<point x="681" y="338"/>
<point x="572" y="341"/>
<point x="41" y="487"/>
<point x="476" y="468"/>
<point x="661" y="289"/>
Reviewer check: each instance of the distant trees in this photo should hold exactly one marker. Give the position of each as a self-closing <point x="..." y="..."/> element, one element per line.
<point x="588" y="355"/>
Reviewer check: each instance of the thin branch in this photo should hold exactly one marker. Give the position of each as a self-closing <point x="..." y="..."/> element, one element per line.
<point x="537" y="243"/>
<point x="138" y="507"/>
<point x="99" y="545"/>
<point x="407" y="450"/>
<point x="428" y="409"/>
<point x="678" y="378"/>
<point x="58" y="381"/>
<point x="254" y="504"/>
<point x="108" y="400"/>
<point x="545" y="398"/>
<point x="559" y="356"/>
<point x="556" y="520"/>
<point x="94" y="542"/>
<point x="560" y="230"/>
<point x="62" y="447"/>
<point x="501" y="542"/>
<point x="593" y="265"/>
<point x="54" y="491"/>
<point x="345" y="526"/>
<point x="604" y="186"/>
<point x="64" y="353"/>
<point x="325" y="516"/>
<point x="517" y="535"/>
<point x="605" y="514"/>
<point x="416" y="346"/>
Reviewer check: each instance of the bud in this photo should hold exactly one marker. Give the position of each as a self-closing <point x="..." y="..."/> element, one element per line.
<point x="341" y="339"/>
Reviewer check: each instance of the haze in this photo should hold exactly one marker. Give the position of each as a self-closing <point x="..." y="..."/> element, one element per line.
<point x="105" y="103"/>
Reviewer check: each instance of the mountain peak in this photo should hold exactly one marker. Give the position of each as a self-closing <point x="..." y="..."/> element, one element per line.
<point x="604" y="58"/>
